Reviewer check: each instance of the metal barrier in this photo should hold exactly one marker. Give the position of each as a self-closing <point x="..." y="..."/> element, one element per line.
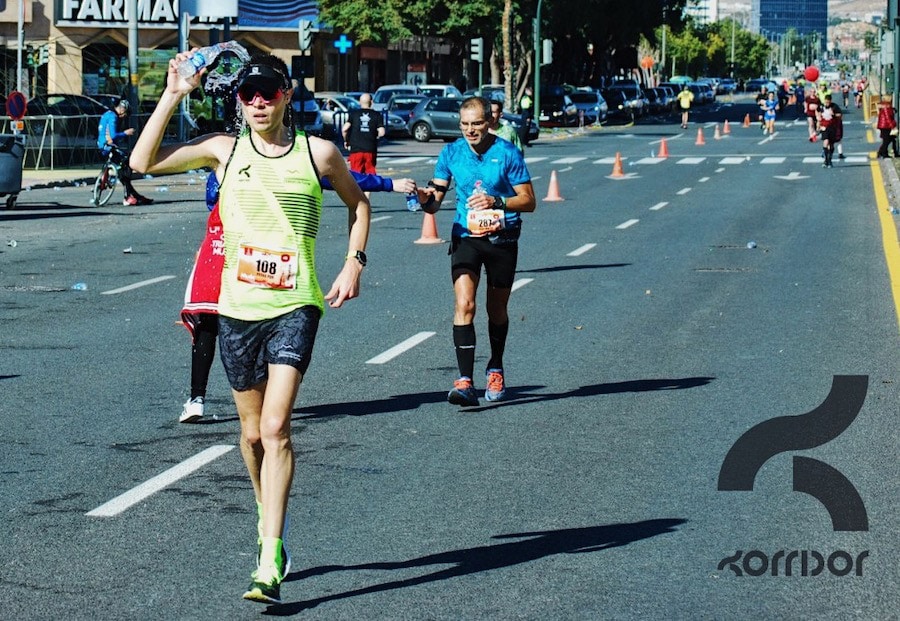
<point x="67" y="141"/>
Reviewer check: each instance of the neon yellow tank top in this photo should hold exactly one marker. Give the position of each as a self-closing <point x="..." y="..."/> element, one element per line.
<point x="271" y="208"/>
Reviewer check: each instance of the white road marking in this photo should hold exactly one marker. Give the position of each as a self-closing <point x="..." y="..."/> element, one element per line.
<point x="732" y="160"/>
<point x="380" y="218"/>
<point x="812" y="160"/>
<point x="772" y="160"/>
<point x="580" y="251"/>
<point x="568" y="160"/>
<point x="136" y="494"/>
<point x="718" y="170"/>
<point x="856" y="159"/>
<point x="683" y="191"/>
<point x="658" y="206"/>
<point x="702" y="179"/>
<point x="532" y="160"/>
<point x="628" y="223"/>
<point x="607" y="160"/>
<point x="566" y="169"/>
<point x="650" y="160"/>
<point x="690" y="160"/>
<point x="137" y="285"/>
<point x="521" y="282"/>
<point x="400" y="348"/>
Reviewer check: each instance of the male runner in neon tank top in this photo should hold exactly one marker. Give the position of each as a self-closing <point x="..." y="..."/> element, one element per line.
<point x="270" y="302"/>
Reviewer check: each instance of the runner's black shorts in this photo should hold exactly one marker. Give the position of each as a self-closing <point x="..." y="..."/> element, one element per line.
<point x="247" y="348"/>
<point x="499" y="260"/>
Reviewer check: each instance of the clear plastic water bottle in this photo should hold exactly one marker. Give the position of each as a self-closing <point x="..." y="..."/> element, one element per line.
<point x="412" y="202"/>
<point x="479" y="188"/>
<point x="206" y="56"/>
<point x="79" y="286"/>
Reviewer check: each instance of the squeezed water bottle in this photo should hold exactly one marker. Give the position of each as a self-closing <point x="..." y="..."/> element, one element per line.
<point x="479" y="188"/>
<point x="206" y="56"/>
<point x="412" y="202"/>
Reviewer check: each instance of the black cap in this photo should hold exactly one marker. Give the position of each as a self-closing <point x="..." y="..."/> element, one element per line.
<point x="266" y="76"/>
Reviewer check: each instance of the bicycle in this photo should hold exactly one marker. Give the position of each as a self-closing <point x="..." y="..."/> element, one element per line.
<point x="108" y="179"/>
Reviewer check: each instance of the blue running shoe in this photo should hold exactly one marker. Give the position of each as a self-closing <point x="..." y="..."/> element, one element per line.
<point x="496" y="388"/>
<point x="463" y="393"/>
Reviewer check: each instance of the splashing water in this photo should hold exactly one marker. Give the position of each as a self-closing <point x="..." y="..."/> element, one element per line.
<point x="221" y="80"/>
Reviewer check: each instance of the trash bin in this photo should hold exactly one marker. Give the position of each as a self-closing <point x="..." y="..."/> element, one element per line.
<point x="12" y="154"/>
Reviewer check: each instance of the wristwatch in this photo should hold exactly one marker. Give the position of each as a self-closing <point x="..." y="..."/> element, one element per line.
<point x="359" y="255"/>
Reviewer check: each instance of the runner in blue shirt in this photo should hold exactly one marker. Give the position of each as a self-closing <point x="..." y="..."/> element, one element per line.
<point x="492" y="188"/>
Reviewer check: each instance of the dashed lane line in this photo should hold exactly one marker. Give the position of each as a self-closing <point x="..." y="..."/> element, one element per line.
<point x="658" y="206"/>
<point x="137" y="285"/>
<point x="683" y="191"/>
<point x="136" y="494"/>
<point x="580" y="251"/>
<point x="400" y="348"/>
<point x="521" y="282"/>
<point x="628" y="223"/>
<point x="380" y="218"/>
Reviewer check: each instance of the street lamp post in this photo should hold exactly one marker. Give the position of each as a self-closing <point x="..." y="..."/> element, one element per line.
<point x="20" y="46"/>
<point x="536" y="100"/>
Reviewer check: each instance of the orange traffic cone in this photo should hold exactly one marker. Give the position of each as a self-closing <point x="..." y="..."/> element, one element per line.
<point x="700" y="140"/>
<point x="726" y="129"/>
<point x="553" y="191"/>
<point x="429" y="231"/>
<point x="716" y="134"/>
<point x="663" y="149"/>
<point x="747" y="120"/>
<point x="617" y="167"/>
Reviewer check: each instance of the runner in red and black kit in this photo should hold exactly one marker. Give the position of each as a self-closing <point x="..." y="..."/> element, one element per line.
<point x="811" y="106"/>
<point x="831" y="127"/>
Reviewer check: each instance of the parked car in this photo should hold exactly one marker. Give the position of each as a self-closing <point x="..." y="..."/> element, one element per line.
<point x="401" y="106"/>
<point x="107" y="99"/>
<point x="435" y="117"/>
<point x="618" y="106"/>
<point x="439" y="90"/>
<point x="493" y="92"/>
<point x="592" y="104"/>
<point x="657" y="100"/>
<point x="754" y="85"/>
<point x="334" y="110"/>
<point x="709" y="92"/>
<point x="515" y="120"/>
<point x="557" y="110"/>
<point x="727" y="86"/>
<point x="81" y="114"/>
<point x="384" y="93"/>
<point x="309" y="118"/>
<point x="634" y="97"/>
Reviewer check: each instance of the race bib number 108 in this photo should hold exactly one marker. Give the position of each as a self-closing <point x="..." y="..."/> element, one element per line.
<point x="264" y="267"/>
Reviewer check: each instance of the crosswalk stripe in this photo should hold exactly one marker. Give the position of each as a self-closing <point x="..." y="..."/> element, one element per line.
<point x="568" y="160"/>
<point x="690" y="160"/>
<point x="607" y="160"/>
<point x="772" y="160"/>
<point x="532" y="160"/>
<point x="732" y="160"/>
<point x="650" y="160"/>
<point x="403" y="160"/>
<point x="812" y="160"/>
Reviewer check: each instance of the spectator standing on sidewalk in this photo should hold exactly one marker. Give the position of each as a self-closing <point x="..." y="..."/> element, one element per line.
<point x="887" y="125"/>
<point x="526" y="109"/>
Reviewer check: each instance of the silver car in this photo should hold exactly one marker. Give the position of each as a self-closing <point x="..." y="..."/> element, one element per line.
<point x="334" y="110"/>
<point x="591" y="104"/>
<point x="435" y="117"/>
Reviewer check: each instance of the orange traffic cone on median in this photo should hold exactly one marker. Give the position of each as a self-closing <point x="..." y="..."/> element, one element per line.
<point x="700" y="140"/>
<point x="663" y="149"/>
<point x="553" y="191"/>
<point x="726" y="129"/>
<point x="747" y="120"/>
<point x="617" y="167"/>
<point x="716" y="134"/>
<point x="429" y="230"/>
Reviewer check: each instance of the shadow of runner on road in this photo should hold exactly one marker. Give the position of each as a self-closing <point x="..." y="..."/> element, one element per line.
<point x="536" y="545"/>
<point x="517" y="396"/>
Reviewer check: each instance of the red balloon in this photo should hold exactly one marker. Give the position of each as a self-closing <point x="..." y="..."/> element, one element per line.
<point x="811" y="73"/>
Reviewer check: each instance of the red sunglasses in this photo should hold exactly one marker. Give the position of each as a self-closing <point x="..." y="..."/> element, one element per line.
<point x="247" y="93"/>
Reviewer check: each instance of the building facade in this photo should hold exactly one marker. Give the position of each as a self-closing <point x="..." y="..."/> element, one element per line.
<point x="86" y="46"/>
<point x="773" y="18"/>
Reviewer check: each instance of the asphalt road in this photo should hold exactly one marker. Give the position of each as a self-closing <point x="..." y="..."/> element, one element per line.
<point x="658" y="317"/>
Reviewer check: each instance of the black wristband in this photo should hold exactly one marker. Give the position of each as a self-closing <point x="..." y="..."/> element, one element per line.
<point x="439" y="188"/>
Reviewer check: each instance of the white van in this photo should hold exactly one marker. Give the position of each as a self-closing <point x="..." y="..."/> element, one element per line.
<point x="384" y="93"/>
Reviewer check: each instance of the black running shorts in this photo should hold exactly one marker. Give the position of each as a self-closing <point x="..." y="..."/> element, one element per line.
<point x="247" y="348"/>
<point x="499" y="260"/>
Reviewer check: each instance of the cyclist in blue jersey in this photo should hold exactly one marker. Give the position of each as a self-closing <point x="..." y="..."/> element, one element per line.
<point x="108" y="137"/>
<point x="492" y="188"/>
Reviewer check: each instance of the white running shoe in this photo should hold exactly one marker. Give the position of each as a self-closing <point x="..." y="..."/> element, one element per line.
<point x="192" y="412"/>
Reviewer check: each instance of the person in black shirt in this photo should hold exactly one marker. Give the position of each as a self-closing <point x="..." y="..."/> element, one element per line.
<point x="361" y="132"/>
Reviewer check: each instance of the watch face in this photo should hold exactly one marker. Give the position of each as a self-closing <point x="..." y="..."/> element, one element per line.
<point x="361" y="257"/>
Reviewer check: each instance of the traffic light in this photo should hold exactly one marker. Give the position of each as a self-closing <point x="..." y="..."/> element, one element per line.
<point x="44" y="54"/>
<point x="305" y="34"/>
<point x="547" y="56"/>
<point x="477" y="49"/>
